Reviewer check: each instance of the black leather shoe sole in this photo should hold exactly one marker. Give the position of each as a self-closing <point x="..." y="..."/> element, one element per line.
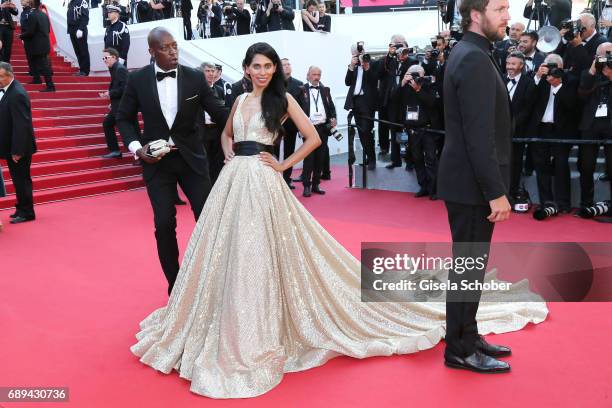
<point x="470" y="368"/>
<point x="19" y="220"/>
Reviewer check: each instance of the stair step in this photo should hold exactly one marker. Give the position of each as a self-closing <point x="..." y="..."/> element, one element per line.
<point x="67" y="166"/>
<point x="24" y="78"/>
<point x="84" y="190"/>
<point x="75" y="86"/>
<point x="92" y="119"/>
<point x="41" y="183"/>
<point x="63" y="94"/>
<point x="50" y="112"/>
<point x="76" y="130"/>
<point x="67" y="142"/>
<point x="61" y="103"/>
<point x="69" y="153"/>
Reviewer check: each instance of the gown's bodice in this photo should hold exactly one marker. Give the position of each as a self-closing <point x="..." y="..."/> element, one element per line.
<point x="250" y="125"/>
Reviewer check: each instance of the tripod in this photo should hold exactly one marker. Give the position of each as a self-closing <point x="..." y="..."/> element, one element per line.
<point x="537" y="10"/>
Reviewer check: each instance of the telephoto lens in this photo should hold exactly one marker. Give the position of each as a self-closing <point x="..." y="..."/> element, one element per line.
<point x="545" y="212"/>
<point x="600" y="208"/>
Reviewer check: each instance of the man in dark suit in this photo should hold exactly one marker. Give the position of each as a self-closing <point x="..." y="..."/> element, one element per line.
<point x="521" y="91"/>
<point x="278" y="16"/>
<point x="594" y="91"/>
<point x="554" y="116"/>
<point x="361" y="98"/>
<point x="294" y="88"/>
<point x="533" y="57"/>
<point x="316" y="102"/>
<point x="37" y="34"/>
<point x="77" y="21"/>
<point x="552" y="13"/>
<point x="474" y="173"/>
<point x="119" y="74"/>
<point x="17" y="143"/>
<point x="186" y="8"/>
<point x="23" y="21"/>
<point x="239" y="87"/>
<point x="243" y="19"/>
<point x="8" y="9"/>
<point x="210" y="132"/>
<point x="169" y="97"/>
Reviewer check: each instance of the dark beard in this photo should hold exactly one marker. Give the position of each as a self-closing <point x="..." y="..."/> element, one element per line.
<point x="491" y="34"/>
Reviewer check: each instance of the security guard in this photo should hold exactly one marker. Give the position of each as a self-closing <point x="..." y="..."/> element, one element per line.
<point x="78" y="18"/>
<point x="117" y="35"/>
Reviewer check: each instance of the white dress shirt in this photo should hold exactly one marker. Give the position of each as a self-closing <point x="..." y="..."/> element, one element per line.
<point x="167" y="89"/>
<point x="549" y="113"/>
<point x="512" y="87"/>
<point x="529" y="63"/>
<point x="317" y="109"/>
<point x="359" y="81"/>
<point x="5" y="89"/>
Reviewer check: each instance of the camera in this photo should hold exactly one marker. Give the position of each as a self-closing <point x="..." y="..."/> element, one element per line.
<point x="602" y="61"/>
<point x="360" y="47"/>
<point x="435" y="53"/>
<point x="554" y="70"/>
<point x="574" y="28"/>
<point x="334" y="132"/>
<point x="421" y="80"/>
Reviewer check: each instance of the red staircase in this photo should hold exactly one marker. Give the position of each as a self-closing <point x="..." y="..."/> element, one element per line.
<point x="70" y="138"/>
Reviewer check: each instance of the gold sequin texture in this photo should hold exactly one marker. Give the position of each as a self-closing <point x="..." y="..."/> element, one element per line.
<point x="264" y="290"/>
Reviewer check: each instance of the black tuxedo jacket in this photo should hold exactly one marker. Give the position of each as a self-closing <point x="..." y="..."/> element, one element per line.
<point x="590" y="93"/>
<point x="119" y="75"/>
<point x="328" y="103"/>
<point x="369" y="85"/>
<point x="475" y="162"/>
<point x="193" y="93"/>
<point x="565" y="107"/>
<point x="522" y="104"/>
<point x="37" y="33"/>
<point x="16" y="130"/>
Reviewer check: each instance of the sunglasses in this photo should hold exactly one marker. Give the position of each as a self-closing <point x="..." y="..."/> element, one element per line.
<point x="106" y="58"/>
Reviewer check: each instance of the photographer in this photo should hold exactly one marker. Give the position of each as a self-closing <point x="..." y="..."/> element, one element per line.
<point x="521" y="90"/>
<point x="418" y="111"/>
<point x="310" y="16"/>
<point x="279" y="16"/>
<point x="243" y="18"/>
<point x="582" y="32"/>
<point x="533" y="58"/>
<point x="8" y="9"/>
<point x="594" y="90"/>
<point x="505" y="47"/>
<point x="317" y="104"/>
<point x="394" y="66"/>
<point x="554" y="116"/>
<point x="553" y="13"/>
<point x="209" y="16"/>
<point x="361" y="99"/>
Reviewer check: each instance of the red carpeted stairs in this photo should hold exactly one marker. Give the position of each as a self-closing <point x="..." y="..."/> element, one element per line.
<point x="70" y="138"/>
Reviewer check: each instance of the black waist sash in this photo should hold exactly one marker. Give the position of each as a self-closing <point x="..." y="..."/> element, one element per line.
<point x="250" y="148"/>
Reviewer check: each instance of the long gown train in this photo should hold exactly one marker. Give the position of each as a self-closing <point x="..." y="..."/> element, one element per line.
<point x="264" y="290"/>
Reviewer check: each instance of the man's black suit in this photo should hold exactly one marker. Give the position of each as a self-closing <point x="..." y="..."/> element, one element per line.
<point x="594" y="90"/>
<point x="314" y="163"/>
<point x="474" y="169"/>
<point x="119" y="74"/>
<point x="294" y="89"/>
<point x="186" y="8"/>
<point x="565" y="126"/>
<point x="17" y="138"/>
<point x="187" y="165"/>
<point x="521" y="105"/>
<point x="363" y="105"/>
<point x="211" y="137"/>
<point x="37" y="35"/>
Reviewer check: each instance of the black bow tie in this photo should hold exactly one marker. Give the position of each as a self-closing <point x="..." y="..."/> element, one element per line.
<point x="2" y="90"/>
<point x="512" y="80"/>
<point x="314" y="87"/>
<point x="162" y="75"/>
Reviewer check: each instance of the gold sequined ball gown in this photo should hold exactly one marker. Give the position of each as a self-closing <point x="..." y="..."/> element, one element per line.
<point x="264" y="290"/>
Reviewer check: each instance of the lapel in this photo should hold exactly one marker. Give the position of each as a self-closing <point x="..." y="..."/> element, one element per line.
<point x="179" y="93"/>
<point x="7" y="94"/>
<point x="153" y="87"/>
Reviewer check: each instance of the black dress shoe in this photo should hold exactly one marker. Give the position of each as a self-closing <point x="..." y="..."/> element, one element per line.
<point x="392" y="165"/>
<point x="14" y="215"/>
<point x="112" y="155"/>
<point x="48" y="89"/>
<point x="317" y="190"/>
<point x="421" y="193"/>
<point x="492" y="350"/>
<point x="291" y="186"/>
<point x="325" y="176"/>
<point x="306" y="192"/>
<point x="19" y="219"/>
<point x="477" y="362"/>
<point x="433" y="197"/>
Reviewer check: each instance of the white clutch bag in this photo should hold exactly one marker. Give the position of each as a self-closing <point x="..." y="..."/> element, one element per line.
<point x="158" y="148"/>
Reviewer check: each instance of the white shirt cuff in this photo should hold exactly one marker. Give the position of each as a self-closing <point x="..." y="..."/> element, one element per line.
<point x="134" y="146"/>
<point x="535" y="79"/>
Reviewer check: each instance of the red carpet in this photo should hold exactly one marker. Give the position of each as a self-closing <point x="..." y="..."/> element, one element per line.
<point x="77" y="282"/>
<point x="70" y="138"/>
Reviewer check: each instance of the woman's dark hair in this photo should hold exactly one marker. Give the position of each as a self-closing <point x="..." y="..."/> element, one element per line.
<point x="311" y="3"/>
<point x="274" y="99"/>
